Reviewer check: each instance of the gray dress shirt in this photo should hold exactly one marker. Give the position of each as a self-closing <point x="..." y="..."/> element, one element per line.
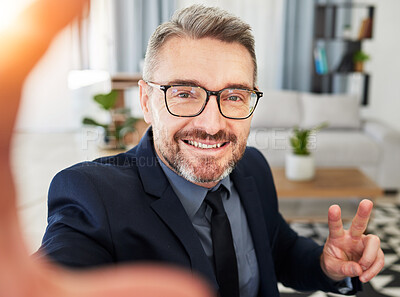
<point x="192" y="198"/>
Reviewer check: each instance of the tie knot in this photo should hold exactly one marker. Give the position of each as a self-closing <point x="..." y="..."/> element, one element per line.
<point x="214" y="200"/>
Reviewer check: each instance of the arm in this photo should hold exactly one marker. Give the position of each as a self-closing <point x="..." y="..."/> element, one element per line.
<point x="78" y="232"/>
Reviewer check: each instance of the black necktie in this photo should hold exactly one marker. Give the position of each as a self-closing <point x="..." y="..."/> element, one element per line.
<point x="224" y="253"/>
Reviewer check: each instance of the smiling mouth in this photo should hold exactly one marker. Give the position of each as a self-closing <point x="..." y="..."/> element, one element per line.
<point x="203" y="145"/>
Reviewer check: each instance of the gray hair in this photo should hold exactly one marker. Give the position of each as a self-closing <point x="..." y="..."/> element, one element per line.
<point x="198" y="21"/>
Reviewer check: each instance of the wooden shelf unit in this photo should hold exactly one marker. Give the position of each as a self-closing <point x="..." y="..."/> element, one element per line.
<point x="325" y="31"/>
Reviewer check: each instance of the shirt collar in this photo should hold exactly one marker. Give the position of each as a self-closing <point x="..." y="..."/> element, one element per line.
<point x="190" y="194"/>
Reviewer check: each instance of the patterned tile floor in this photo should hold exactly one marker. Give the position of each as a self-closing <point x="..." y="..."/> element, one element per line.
<point x="385" y="224"/>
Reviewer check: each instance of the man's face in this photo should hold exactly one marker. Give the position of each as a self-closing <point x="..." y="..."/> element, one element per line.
<point x="202" y="149"/>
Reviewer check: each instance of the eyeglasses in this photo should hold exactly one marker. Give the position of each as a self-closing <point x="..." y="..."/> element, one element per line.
<point x="190" y="101"/>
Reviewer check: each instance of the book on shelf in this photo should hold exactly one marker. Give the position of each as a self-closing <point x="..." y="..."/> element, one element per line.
<point x="365" y="29"/>
<point x="320" y="60"/>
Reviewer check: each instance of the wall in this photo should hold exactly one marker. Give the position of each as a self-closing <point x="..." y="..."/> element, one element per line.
<point x="385" y="64"/>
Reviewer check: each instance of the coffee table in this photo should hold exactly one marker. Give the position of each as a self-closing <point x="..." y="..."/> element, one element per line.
<point x="310" y="200"/>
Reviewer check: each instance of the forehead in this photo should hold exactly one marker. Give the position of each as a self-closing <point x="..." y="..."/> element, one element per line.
<point x="213" y="63"/>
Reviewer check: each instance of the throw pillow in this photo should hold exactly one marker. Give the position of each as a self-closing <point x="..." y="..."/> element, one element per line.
<point x="340" y="111"/>
<point x="277" y="109"/>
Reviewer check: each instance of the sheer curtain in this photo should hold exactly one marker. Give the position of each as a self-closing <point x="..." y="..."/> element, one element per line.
<point x="115" y="34"/>
<point x="297" y="69"/>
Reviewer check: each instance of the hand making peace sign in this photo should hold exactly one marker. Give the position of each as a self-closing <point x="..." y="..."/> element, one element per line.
<point x="350" y="253"/>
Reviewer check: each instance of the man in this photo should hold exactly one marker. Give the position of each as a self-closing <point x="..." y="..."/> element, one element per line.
<point x="153" y="202"/>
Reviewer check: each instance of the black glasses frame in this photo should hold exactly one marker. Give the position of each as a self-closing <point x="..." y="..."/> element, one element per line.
<point x="164" y="88"/>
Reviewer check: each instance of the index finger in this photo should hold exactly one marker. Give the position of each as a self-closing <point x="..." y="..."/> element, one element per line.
<point x="360" y="221"/>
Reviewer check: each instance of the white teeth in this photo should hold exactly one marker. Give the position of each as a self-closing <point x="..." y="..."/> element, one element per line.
<point x="204" y="146"/>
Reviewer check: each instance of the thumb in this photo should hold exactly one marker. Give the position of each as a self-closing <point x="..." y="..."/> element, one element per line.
<point x="337" y="269"/>
<point x="350" y="269"/>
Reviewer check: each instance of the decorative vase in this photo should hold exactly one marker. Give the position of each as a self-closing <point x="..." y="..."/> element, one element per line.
<point x="359" y="66"/>
<point x="299" y="167"/>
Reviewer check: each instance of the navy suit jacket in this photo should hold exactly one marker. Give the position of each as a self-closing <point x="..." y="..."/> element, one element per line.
<point x="122" y="209"/>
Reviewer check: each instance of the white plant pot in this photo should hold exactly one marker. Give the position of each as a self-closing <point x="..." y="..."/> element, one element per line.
<point x="299" y="167"/>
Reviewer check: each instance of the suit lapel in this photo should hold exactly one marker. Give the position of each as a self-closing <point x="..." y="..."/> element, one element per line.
<point x="169" y="208"/>
<point x="171" y="211"/>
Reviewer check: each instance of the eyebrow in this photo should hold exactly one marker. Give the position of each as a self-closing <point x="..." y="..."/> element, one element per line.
<point x="190" y="82"/>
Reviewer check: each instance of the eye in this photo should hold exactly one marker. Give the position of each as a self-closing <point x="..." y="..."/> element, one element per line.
<point x="234" y="98"/>
<point x="183" y="95"/>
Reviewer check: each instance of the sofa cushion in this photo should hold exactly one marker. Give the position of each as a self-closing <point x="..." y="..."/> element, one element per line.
<point x="331" y="148"/>
<point x="277" y="109"/>
<point x="351" y="148"/>
<point x="340" y="111"/>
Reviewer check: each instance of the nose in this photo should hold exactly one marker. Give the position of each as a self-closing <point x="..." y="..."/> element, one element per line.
<point x="210" y="120"/>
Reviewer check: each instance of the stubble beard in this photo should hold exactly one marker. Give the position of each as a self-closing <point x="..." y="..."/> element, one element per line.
<point x="199" y="169"/>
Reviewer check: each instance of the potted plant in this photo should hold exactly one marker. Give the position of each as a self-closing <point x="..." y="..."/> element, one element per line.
<point x="299" y="163"/>
<point x="121" y="123"/>
<point x="359" y="58"/>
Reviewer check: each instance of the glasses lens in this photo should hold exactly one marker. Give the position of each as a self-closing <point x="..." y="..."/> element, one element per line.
<point x="185" y="100"/>
<point x="237" y="103"/>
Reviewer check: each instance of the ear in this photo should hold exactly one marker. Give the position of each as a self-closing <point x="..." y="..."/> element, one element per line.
<point x="145" y="101"/>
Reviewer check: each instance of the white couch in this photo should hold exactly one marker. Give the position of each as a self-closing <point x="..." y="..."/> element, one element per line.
<point x="349" y="140"/>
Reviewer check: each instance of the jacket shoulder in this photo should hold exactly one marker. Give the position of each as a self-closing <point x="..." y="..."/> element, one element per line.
<point x="252" y="161"/>
<point x="119" y="161"/>
<point x="103" y="173"/>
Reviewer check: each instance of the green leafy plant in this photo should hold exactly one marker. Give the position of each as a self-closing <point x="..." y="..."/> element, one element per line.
<point x="300" y="139"/>
<point x="121" y="121"/>
<point x="107" y="101"/>
<point x="360" y="56"/>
